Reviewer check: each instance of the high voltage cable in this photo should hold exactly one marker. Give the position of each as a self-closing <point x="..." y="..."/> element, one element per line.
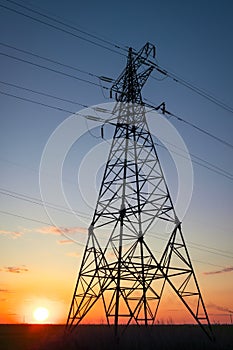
<point x="200" y="129"/>
<point x="60" y="29"/>
<point x="89" y="117"/>
<point x="193" y="126"/>
<point x="69" y="211"/>
<point x="24" y="217"/>
<point x="40" y="202"/>
<point x="192" y="87"/>
<point x="226" y="173"/>
<point x="46" y="223"/>
<point x="201" y="247"/>
<point x="38" y="103"/>
<point x="52" y="70"/>
<point x="117" y="46"/>
<point x="103" y="87"/>
<point x="156" y="66"/>
<point x="85" y="106"/>
<point x="196" y="244"/>
<point x="94" y="75"/>
<point x="50" y="60"/>
<point x="44" y="94"/>
<point x="104" y="121"/>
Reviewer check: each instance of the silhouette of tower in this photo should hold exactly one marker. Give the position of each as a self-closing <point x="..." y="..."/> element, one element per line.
<point x="124" y="272"/>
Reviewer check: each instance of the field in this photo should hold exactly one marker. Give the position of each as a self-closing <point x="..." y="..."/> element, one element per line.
<point x="88" y="337"/>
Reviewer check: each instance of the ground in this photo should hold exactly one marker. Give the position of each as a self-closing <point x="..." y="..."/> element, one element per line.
<point x="89" y="337"/>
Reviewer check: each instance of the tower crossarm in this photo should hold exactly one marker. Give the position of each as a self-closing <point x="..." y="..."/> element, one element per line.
<point x="135" y="75"/>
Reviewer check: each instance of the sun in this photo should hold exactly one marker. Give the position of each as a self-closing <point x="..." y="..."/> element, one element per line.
<point x="41" y="314"/>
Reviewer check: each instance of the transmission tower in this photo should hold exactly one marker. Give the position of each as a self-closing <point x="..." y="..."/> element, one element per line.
<point x="124" y="272"/>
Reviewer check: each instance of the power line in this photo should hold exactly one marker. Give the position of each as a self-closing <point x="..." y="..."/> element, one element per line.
<point x="50" y="60"/>
<point x="43" y="203"/>
<point x="212" y="168"/>
<point x="25" y="218"/>
<point x="192" y="87"/>
<point x="109" y="122"/>
<point x="103" y="87"/>
<point x="46" y="223"/>
<point x="117" y="46"/>
<point x="161" y="70"/>
<point x="59" y="29"/>
<point x="165" y="72"/>
<point x="44" y="94"/>
<point x="40" y="202"/>
<point x="199" y="158"/>
<point x="52" y="70"/>
<point x="226" y="173"/>
<point x="39" y="103"/>
<point x="200" y="129"/>
<point x="200" y="247"/>
<point x="93" y="75"/>
<point x="89" y="117"/>
<point x="192" y="125"/>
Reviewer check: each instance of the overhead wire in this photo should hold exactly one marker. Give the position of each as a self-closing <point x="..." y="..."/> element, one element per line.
<point x="201" y="247"/>
<point x="49" y="224"/>
<point x="192" y="125"/>
<point x="25" y="217"/>
<point x="212" y="168"/>
<point x="171" y="75"/>
<point x="103" y="87"/>
<point x="50" y="60"/>
<point x="222" y="171"/>
<point x="228" y="174"/>
<point x="106" y="88"/>
<point x="160" y="69"/>
<point x="201" y="130"/>
<point x="51" y="70"/>
<point x="53" y="18"/>
<point x="194" y="156"/>
<point x="215" y="170"/>
<point x="89" y="117"/>
<point x="39" y="103"/>
<point x="192" y="87"/>
<point x="44" y="94"/>
<point x="60" y="29"/>
<point x="60" y="208"/>
<point x="40" y="202"/>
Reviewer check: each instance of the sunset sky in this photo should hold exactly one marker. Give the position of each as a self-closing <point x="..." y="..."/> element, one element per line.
<point x="193" y="39"/>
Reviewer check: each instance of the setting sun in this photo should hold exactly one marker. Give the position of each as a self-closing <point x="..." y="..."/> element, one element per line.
<point x="41" y="314"/>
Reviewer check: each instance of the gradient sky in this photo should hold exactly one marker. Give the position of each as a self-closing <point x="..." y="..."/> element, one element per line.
<point x="38" y="265"/>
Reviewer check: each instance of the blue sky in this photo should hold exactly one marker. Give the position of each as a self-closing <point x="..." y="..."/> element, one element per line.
<point x="192" y="39"/>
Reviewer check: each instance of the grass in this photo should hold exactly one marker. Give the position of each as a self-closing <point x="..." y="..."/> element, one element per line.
<point x="96" y="337"/>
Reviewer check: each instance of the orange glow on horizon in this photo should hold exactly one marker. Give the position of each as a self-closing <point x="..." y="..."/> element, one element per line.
<point x="18" y="307"/>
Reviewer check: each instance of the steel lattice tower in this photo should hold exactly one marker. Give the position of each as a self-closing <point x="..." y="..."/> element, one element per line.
<point x="125" y="273"/>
